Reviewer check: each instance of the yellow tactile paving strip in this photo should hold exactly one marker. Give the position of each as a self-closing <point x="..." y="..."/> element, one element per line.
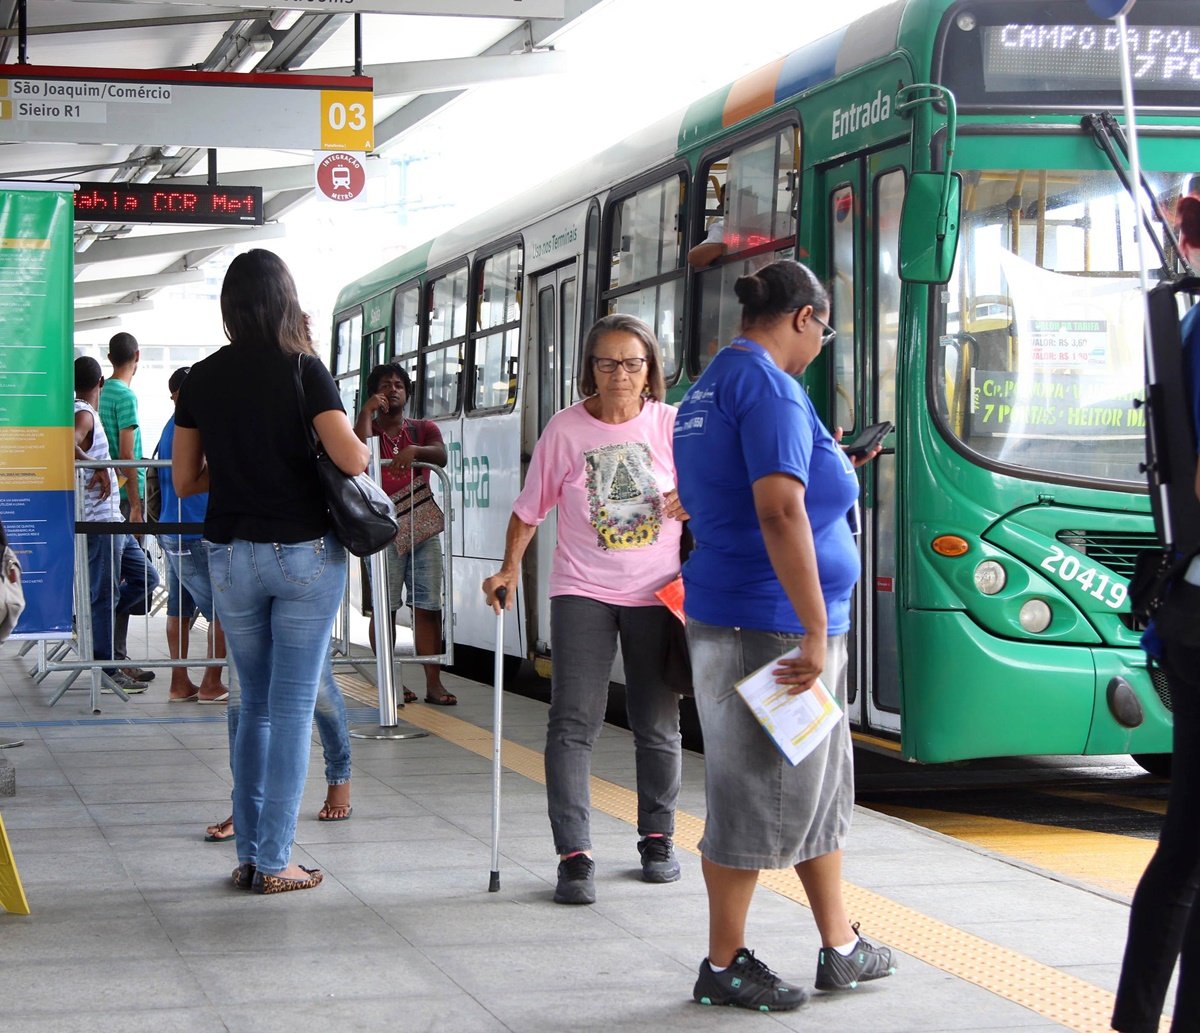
<point x="1057" y="996"/>
<point x="1102" y="859"/>
<point x="1130" y="803"/>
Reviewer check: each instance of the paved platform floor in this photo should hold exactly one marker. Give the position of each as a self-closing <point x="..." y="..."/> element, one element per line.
<point x="135" y="925"/>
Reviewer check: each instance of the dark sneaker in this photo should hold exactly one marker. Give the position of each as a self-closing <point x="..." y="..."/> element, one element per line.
<point x="747" y="983"/>
<point x="658" y="859"/>
<point x="835" y="972"/>
<point x="138" y="674"/>
<point x="127" y="684"/>
<point x="576" y="881"/>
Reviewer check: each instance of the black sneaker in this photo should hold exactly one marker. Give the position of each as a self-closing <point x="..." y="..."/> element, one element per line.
<point x="835" y="972"/>
<point x="658" y="859"/>
<point x="747" y="983"/>
<point x="576" y="881"/>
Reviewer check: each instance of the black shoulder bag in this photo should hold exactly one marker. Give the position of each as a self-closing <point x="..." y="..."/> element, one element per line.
<point x="362" y="515"/>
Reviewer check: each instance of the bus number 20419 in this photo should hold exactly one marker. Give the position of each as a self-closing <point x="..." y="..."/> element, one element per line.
<point x="1068" y="568"/>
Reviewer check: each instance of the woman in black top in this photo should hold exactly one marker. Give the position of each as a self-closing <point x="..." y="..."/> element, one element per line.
<point x="278" y="573"/>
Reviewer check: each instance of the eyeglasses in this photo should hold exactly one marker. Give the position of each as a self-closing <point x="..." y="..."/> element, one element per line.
<point x="631" y="365"/>
<point x="828" y="333"/>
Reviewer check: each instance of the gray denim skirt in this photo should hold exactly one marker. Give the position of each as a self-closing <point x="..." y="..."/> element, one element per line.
<point x="762" y="811"/>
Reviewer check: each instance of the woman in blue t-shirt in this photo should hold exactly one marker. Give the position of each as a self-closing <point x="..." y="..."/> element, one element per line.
<point x="770" y="493"/>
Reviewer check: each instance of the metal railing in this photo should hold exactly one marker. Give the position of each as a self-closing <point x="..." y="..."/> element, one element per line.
<point x="53" y="656"/>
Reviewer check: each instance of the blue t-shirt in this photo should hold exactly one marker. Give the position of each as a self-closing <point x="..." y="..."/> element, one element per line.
<point x="1189" y="330"/>
<point x="743" y="420"/>
<point x="194" y="506"/>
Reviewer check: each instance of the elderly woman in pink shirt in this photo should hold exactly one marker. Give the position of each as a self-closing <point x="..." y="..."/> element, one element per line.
<point x="606" y="464"/>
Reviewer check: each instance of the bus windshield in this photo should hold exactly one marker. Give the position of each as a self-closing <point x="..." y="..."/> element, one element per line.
<point x="1038" y="355"/>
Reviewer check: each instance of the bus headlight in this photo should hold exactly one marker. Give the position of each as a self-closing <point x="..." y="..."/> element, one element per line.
<point x="1034" y="616"/>
<point x="990" y="577"/>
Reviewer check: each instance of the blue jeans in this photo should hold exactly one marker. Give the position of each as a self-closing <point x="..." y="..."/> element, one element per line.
<point x="277" y="604"/>
<point x="330" y="719"/>
<point x="137" y="580"/>
<point x="584" y="634"/>
<point x="103" y="589"/>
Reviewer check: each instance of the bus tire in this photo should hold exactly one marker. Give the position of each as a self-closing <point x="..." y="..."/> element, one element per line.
<point x="1155" y="763"/>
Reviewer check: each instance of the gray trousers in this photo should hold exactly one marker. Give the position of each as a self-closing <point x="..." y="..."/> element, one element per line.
<point x="583" y="636"/>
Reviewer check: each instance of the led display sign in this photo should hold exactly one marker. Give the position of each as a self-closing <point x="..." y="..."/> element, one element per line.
<point x="171" y="205"/>
<point x="1045" y="58"/>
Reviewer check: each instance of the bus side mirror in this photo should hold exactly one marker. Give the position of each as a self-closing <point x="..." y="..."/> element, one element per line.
<point x="929" y="227"/>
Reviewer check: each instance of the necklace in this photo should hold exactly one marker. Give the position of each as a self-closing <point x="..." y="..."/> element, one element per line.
<point x="389" y="442"/>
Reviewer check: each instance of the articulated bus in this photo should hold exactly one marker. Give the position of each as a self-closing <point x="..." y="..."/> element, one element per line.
<point x="1002" y="520"/>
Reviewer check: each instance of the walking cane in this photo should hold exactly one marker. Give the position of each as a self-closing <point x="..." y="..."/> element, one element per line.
<point x="497" y="709"/>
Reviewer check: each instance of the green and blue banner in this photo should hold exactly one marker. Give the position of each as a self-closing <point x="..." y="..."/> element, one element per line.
<point x="37" y="454"/>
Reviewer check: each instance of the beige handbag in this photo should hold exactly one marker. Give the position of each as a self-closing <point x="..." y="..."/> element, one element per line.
<point x="12" y="596"/>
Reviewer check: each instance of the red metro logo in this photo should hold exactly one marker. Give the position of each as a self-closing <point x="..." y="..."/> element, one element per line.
<point x="341" y="176"/>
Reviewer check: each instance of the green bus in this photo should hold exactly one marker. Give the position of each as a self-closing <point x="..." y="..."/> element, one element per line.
<point x="1001" y="522"/>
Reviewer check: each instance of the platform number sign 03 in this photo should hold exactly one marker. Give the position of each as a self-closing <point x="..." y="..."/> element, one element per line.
<point x="347" y="120"/>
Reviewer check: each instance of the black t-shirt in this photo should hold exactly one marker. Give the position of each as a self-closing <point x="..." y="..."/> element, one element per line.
<point x="263" y="483"/>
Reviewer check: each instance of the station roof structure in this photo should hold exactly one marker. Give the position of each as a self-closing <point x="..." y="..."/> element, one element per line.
<point x="420" y="55"/>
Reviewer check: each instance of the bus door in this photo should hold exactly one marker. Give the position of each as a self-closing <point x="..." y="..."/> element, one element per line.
<point x="862" y="200"/>
<point x="551" y="376"/>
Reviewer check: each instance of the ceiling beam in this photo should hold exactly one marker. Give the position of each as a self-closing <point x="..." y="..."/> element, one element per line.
<point x="286" y="200"/>
<point x="291" y="177"/>
<point x="92" y="312"/>
<point x="173" y="243"/>
<point x="455" y="73"/>
<point x="465" y="8"/>
<point x="127" y="284"/>
<point x="85" y="326"/>
<point x="127" y="23"/>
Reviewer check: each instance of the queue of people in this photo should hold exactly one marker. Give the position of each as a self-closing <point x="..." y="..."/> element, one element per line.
<point x="763" y="485"/>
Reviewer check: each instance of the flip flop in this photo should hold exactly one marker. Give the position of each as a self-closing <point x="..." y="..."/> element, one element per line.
<point x="448" y="700"/>
<point x="223" y="698"/>
<point x="410" y="696"/>
<point x="329" y="807"/>
<point x="217" y="837"/>
<point x="184" y="699"/>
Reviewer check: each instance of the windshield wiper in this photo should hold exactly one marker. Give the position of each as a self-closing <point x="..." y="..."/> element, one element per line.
<point x="1105" y="129"/>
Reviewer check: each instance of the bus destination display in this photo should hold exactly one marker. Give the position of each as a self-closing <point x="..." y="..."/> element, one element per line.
<point x="1042" y="58"/>
<point x="163" y="203"/>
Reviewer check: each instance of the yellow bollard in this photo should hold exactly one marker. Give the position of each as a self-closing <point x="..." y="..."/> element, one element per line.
<point x="12" y="895"/>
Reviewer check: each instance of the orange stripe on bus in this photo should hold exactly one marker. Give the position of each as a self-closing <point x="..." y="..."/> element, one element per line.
<point x="752" y="93"/>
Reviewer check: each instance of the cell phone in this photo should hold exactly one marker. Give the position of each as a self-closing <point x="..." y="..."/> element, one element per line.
<point x="865" y="443"/>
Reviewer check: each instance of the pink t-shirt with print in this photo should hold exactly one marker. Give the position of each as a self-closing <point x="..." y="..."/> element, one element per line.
<point x="615" y="541"/>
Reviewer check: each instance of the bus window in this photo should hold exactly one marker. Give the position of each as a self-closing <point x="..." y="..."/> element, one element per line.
<point x="441" y="360"/>
<point x="347" y="339"/>
<point x="406" y="321"/>
<point x="347" y="347"/>
<point x="645" y="274"/>
<point x="1039" y="357"/>
<point x="547" y="355"/>
<point x="567" y="343"/>
<point x="406" y="333"/>
<point x="842" y="214"/>
<point x="497" y="307"/>
<point x="751" y="199"/>
<point x="889" y="198"/>
<point x="587" y="307"/>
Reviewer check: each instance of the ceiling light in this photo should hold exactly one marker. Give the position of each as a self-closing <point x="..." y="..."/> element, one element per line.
<point x="251" y="53"/>
<point x="146" y="173"/>
<point x="284" y="20"/>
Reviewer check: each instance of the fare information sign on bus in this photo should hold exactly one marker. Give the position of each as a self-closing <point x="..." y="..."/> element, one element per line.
<point x="188" y="109"/>
<point x="1043" y="58"/>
